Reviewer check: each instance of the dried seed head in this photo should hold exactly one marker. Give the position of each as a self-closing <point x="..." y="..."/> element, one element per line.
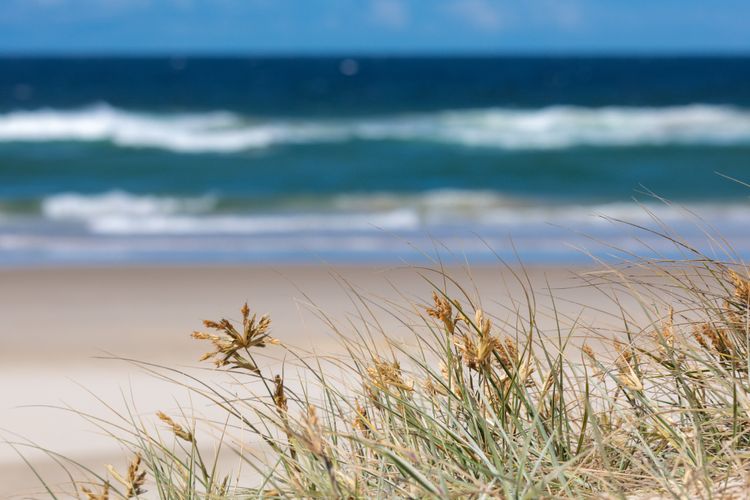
<point x="482" y="323"/>
<point x="221" y="490"/>
<point x="630" y="380"/>
<point x="442" y="311"/>
<point x="588" y="351"/>
<point x="204" y="336"/>
<point x="385" y="375"/>
<point x="524" y="371"/>
<point x="467" y="350"/>
<point x="700" y="338"/>
<point x="508" y="353"/>
<point x="361" y="421"/>
<point x="433" y="390"/>
<point x="737" y="307"/>
<point x="596" y="367"/>
<point x="444" y="371"/>
<point x="741" y="288"/>
<point x="476" y="351"/>
<point x="720" y="341"/>
<point x="176" y="428"/>
<point x="90" y="495"/>
<point x="625" y="362"/>
<point x="624" y="354"/>
<point x="279" y="397"/>
<point x="312" y="417"/>
<point x="228" y="348"/>
<point x="487" y="346"/>
<point x="667" y="330"/>
<point x="312" y="433"/>
<point x="134" y="479"/>
<point x="549" y="380"/>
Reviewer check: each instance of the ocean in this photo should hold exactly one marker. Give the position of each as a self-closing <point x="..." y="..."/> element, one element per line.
<point x="370" y="159"/>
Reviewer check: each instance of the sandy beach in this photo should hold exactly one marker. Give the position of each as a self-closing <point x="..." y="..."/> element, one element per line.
<point x="56" y="323"/>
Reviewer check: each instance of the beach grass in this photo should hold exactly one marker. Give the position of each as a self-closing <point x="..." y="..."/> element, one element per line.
<point x="472" y="403"/>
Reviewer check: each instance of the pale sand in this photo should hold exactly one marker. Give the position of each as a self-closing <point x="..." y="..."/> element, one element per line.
<point x="56" y="321"/>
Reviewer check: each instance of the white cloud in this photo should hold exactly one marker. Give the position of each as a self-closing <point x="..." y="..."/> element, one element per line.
<point x="481" y="14"/>
<point x="389" y="13"/>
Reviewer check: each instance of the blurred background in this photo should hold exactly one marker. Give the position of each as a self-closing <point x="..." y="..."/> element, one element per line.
<point x="183" y="131"/>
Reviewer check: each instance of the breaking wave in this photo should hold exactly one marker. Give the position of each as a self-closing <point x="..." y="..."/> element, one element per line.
<point x="553" y="127"/>
<point x="120" y="213"/>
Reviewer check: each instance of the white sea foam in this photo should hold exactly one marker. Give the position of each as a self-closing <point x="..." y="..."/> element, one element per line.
<point x="118" y="213"/>
<point x="562" y="127"/>
<point x="545" y="128"/>
<point x="188" y="133"/>
<point x="117" y="227"/>
<point x="119" y="204"/>
<point x="254" y="224"/>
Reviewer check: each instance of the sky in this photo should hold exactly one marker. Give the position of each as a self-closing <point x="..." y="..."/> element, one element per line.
<point x="373" y="26"/>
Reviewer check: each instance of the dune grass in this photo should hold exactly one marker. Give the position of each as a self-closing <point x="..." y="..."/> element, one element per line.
<point x="470" y="405"/>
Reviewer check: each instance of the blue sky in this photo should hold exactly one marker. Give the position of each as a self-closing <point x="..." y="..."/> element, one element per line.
<point x="373" y="26"/>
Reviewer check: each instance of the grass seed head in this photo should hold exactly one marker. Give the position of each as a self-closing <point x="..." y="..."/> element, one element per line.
<point x="588" y="351"/>
<point x="90" y="495"/>
<point x="433" y="390"/>
<point x="624" y="355"/>
<point x="596" y="367"/>
<point x="483" y="323"/>
<point x="176" y="428"/>
<point x="229" y="347"/>
<point x="741" y="288"/>
<point x="442" y="311"/>
<point x="508" y="353"/>
<point x="737" y="307"/>
<point x="713" y="339"/>
<point x="667" y="330"/>
<point x="360" y="421"/>
<point x="312" y="433"/>
<point x="386" y="375"/>
<point x="700" y="337"/>
<point x="279" y="397"/>
<point x="133" y="480"/>
<point x="626" y="361"/>
<point x="467" y="350"/>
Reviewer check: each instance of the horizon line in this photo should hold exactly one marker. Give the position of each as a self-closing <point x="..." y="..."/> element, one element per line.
<point x="458" y="54"/>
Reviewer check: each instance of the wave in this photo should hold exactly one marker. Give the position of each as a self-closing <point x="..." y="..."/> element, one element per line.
<point x="119" y="203"/>
<point x="188" y="133"/>
<point x="120" y="213"/>
<point x="123" y="213"/>
<point x="553" y="127"/>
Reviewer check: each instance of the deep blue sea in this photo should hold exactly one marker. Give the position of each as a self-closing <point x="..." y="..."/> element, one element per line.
<point x="121" y="160"/>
